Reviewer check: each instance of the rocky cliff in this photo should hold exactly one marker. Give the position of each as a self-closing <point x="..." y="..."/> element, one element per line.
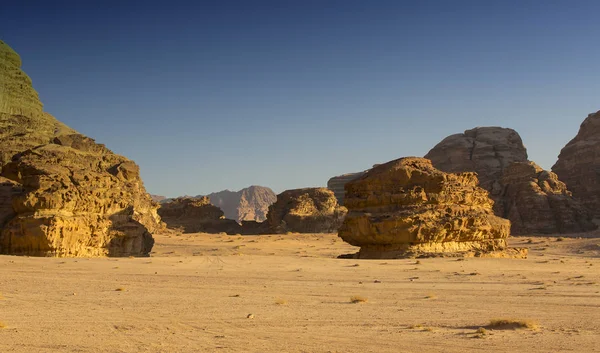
<point x="499" y="158"/>
<point x="196" y="215"/>
<point x="309" y="210"/>
<point x="337" y="183"/>
<point x="578" y="164"/>
<point x="62" y="194"/>
<point x="535" y="201"/>
<point x="249" y="204"/>
<point x="406" y="207"/>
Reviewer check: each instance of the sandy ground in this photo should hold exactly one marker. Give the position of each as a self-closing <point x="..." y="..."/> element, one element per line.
<point x="195" y="293"/>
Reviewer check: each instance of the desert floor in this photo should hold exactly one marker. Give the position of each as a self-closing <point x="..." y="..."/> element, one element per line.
<point x="219" y="293"/>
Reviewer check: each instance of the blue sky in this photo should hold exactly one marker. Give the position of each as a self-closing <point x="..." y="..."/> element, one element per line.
<point x="213" y="95"/>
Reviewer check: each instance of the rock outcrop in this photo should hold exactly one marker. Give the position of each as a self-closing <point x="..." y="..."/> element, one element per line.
<point x="499" y="158"/>
<point x="249" y="204"/>
<point x="196" y="215"/>
<point x="578" y="164"/>
<point x="406" y="207"/>
<point x="485" y="150"/>
<point x="535" y="201"/>
<point x="337" y="183"/>
<point x="62" y="194"/>
<point x="309" y="210"/>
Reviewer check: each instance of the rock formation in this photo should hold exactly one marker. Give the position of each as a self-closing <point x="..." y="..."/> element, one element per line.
<point x="249" y="204"/>
<point x="485" y="150"/>
<point x="196" y="215"/>
<point x="157" y="198"/>
<point x="61" y="194"/>
<point x="578" y="164"/>
<point x="309" y="210"/>
<point x="407" y="207"/>
<point x="337" y="183"/>
<point x="499" y="158"/>
<point x="535" y="201"/>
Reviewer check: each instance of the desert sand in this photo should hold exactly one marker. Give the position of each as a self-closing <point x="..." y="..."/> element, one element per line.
<point x="289" y="293"/>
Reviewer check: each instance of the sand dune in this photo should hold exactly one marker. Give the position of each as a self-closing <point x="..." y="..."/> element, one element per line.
<point x="196" y="293"/>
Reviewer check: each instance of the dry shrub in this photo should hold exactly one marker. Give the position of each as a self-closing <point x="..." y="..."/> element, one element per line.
<point x="512" y="324"/>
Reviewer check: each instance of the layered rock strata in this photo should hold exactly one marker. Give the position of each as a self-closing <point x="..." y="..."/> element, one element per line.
<point x="406" y="207"/>
<point x="62" y="194"/>
<point x="499" y="158"/>
<point x="578" y="164"/>
<point x="535" y="201"/>
<point x="308" y="210"/>
<point x="337" y="183"/>
<point x="249" y="204"/>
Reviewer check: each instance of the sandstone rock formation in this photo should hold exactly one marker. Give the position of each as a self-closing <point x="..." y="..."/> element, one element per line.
<point x="337" y="183"/>
<point x="196" y="215"/>
<point x="535" y="201"/>
<point x="485" y="150"/>
<point x="61" y="194"/>
<point x="499" y="158"/>
<point x="249" y="204"/>
<point x="407" y="207"/>
<point x="309" y="210"/>
<point x="578" y="164"/>
<point x="157" y="198"/>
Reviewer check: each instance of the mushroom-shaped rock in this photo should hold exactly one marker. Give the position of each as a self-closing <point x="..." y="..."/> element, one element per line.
<point x="406" y="207"/>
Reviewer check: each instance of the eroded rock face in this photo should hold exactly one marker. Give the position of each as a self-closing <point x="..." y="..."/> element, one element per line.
<point x="196" y="215"/>
<point x="337" y="183"/>
<point x="535" y="201"/>
<point x="485" y="150"/>
<point x="407" y="207"/>
<point x="249" y="204"/>
<point x="522" y="192"/>
<point x="309" y="210"/>
<point x="578" y="164"/>
<point x="68" y="195"/>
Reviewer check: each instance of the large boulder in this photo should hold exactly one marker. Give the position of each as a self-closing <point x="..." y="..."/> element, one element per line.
<point x="337" y="183"/>
<point x="249" y="204"/>
<point x="485" y="150"/>
<point x="407" y="207"/>
<point x="499" y="158"/>
<point x="308" y="210"/>
<point x="61" y="193"/>
<point x="196" y="215"/>
<point x="535" y="201"/>
<point x="578" y="164"/>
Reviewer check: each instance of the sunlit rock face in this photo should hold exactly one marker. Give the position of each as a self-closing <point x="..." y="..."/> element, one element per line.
<point x="61" y="193"/>
<point x="534" y="200"/>
<point x="407" y="207"/>
<point x="308" y="210"/>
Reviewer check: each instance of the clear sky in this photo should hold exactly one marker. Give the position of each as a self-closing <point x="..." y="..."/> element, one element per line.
<point x="210" y="95"/>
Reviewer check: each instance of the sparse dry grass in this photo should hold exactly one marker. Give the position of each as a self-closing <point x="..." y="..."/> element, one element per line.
<point x="2" y="325"/>
<point x="512" y="324"/>
<point x="355" y="299"/>
<point x="120" y="289"/>
<point x="281" y="302"/>
<point x="431" y="296"/>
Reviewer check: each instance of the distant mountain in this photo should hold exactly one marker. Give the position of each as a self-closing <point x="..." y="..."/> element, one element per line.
<point x="249" y="204"/>
<point x="157" y="198"/>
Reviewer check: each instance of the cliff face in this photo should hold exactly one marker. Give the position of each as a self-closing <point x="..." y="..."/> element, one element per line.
<point x="536" y="201"/>
<point x="196" y="215"/>
<point x="249" y="204"/>
<point x="62" y="194"/>
<point x="337" y="183"/>
<point x="406" y="206"/>
<point x="578" y="164"/>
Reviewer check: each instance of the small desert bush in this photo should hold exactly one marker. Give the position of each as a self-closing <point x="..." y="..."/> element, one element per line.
<point x="431" y="296"/>
<point x="355" y="299"/>
<point x="281" y="302"/>
<point x="2" y="325"/>
<point x="512" y="324"/>
<point x="120" y="289"/>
